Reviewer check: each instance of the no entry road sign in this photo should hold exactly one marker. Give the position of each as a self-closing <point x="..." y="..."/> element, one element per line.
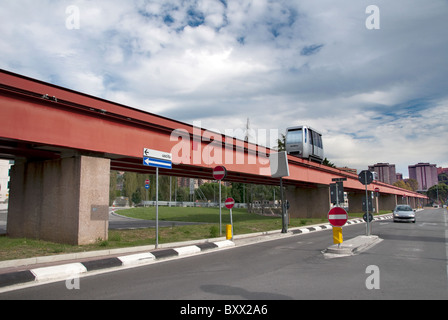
<point x="219" y="173"/>
<point x="337" y="217"/>
<point x="229" y="203"/>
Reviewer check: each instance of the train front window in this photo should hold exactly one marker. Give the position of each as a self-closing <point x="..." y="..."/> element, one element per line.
<point x="315" y="140"/>
<point x="294" y="136"/>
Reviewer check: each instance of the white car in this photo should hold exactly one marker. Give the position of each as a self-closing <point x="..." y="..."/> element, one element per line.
<point x="403" y="212"/>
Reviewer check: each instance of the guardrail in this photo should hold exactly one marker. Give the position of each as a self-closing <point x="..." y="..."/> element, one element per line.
<point x="190" y="204"/>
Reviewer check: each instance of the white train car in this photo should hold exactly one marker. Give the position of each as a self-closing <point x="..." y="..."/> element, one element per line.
<point x="304" y="142"/>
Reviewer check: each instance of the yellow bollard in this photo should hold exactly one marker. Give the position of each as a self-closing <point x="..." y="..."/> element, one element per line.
<point x="229" y="232"/>
<point x="337" y="235"/>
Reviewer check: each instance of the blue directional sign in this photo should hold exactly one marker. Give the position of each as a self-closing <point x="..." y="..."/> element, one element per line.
<point x="158" y="163"/>
<point x="147" y="186"/>
<point x="158" y="159"/>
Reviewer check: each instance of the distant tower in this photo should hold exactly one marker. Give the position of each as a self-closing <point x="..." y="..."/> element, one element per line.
<point x="425" y="174"/>
<point x="248" y="135"/>
<point x="386" y="172"/>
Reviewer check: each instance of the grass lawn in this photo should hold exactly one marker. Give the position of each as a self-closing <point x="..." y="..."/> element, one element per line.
<point x="243" y="222"/>
<point x="209" y="228"/>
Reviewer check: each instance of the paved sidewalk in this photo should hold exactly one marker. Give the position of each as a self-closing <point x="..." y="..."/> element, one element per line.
<point x="351" y="247"/>
<point x="72" y="268"/>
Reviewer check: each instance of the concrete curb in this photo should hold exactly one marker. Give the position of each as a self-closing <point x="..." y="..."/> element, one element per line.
<point x="353" y="246"/>
<point x="71" y="270"/>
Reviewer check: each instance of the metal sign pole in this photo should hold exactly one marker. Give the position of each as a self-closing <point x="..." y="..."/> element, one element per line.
<point x="278" y="163"/>
<point x="220" y="219"/>
<point x="157" y="207"/>
<point x="231" y="222"/>
<point x="284" y="221"/>
<point x="219" y="173"/>
<point x="367" y="208"/>
<point x="337" y="195"/>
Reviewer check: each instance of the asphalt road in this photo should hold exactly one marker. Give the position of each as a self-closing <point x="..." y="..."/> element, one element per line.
<point x="116" y="222"/>
<point x="410" y="263"/>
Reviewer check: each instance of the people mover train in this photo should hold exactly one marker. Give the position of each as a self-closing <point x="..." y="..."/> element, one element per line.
<point x="304" y="142"/>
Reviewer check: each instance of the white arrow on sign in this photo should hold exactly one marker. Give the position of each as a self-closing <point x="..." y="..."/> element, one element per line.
<point x="157" y="163"/>
<point x="157" y="154"/>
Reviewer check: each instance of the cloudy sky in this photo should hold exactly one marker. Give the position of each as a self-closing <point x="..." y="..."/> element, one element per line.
<point x="377" y="95"/>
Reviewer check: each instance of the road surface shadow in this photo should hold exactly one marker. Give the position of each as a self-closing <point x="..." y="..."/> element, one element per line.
<point x="223" y="290"/>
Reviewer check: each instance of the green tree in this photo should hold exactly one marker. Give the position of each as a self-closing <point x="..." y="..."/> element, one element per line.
<point x="164" y="188"/>
<point x="410" y="184"/>
<point x="238" y="192"/>
<point x="413" y="184"/>
<point x="443" y="177"/>
<point x="328" y="163"/>
<point x="130" y="184"/>
<point x="281" y="143"/>
<point x="183" y="194"/>
<point x="113" y="186"/>
<point x="137" y="196"/>
<point x="401" y="184"/>
<point x="209" y="190"/>
<point x="441" y="190"/>
<point x="135" y="183"/>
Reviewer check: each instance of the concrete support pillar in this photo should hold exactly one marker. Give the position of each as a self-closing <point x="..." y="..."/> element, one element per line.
<point x="387" y="201"/>
<point x="308" y="203"/>
<point x="376" y="204"/>
<point x="355" y="202"/>
<point x="64" y="200"/>
<point x="412" y="202"/>
<point x="402" y="200"/>
<point x="421" y="202"/>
